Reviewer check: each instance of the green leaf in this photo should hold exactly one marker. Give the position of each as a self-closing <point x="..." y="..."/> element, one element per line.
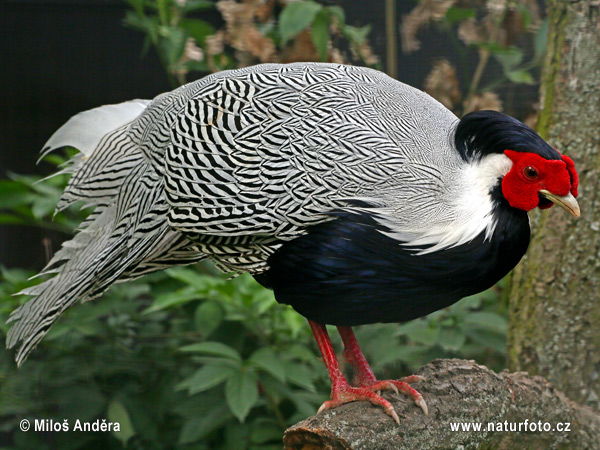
<point x="265" y="430"/>
<point x="296" y="17"/>
<point x="16" y="277"/>
<point x="8" y="219"/>
<point x="425" y="335"/>
<point x="237" y="436"/>
<point x="320" y="33"/>
<point x="357" y="35"/>
<point x="13" y="193"/>
<point x="171" y="44"/>
<point x="43" y="207"/>
<point x="473" y="301"/>
<point x="200" y="282"/>
<point x="338" y="13"/>
<point x="241" y="393"/>
<point x="299" y="375"/>
<point x="540" y="41"/>
<point x="197" y="5"/>
<point x="198" y="66"/>
<point x="451" y="338"/>
<point x="419" y="331"/>
<point x="198" y="427"/>
<point x="190" y="431"/>
<point x="213" y="348"/>
<point x="54" y="159"/>
<point x="487" y="339"/>
<point x="487" y="321"/>
<point x="262" y="299"/>
<point x="266" y="359"/>
<point x="207" y="377"/>
<point x="140" y="22"/>
<point x="520" y="76"/>
<point x="508" y="58"/>
<point x="208" y="317"/>
<point x="164" y="12"/>
<point x="526" y="14"/>
<point x="138" y="5"/>
<point x="293" y="321"/>
<point x="117" y="413"/>
<point x="455" y="14"/>
<point x="165" y="301"/>
<point x="300" y="351"/>
<point x="198" y="29"/>
<point x="83" y="402"/>
<point x="413" y="355"/>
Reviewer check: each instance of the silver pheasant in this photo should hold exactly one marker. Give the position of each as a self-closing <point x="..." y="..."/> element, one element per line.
<point x="230" y="166"/>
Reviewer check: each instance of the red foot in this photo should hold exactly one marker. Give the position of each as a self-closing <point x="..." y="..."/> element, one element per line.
<point x="343" y="393"/>
<point x="402" y="387"/>
<point x="368" y="386"/>
<point x="364" y="377"/>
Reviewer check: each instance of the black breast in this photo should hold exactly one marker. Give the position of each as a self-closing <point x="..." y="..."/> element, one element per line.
<point x="346" y="272"/>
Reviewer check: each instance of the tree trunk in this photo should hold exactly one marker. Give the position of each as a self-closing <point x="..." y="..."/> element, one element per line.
<point x="461" y="396"/>
<point x="555" y="292"/>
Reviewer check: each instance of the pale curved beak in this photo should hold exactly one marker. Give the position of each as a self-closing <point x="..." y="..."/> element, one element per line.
<point x="567" y="202"/>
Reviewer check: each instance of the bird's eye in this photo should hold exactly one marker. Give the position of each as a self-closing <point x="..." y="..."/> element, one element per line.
<point x="530" y="173"/>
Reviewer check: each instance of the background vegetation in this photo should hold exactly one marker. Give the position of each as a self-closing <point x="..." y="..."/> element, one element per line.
<point x="187" y="359"/>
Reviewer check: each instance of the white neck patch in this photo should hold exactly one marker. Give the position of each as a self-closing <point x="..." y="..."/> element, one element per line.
<point x="465" y="208"/>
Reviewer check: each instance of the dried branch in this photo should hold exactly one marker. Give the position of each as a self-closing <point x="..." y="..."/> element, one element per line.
<point x="456" y="391"/>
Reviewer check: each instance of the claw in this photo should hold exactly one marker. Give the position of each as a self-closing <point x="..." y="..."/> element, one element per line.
<point x="413" y="379"/>
<point x="345" y="394"/>
<point x="421" y="404"/>
<point x="383" y="386"/>
<point x="394" y="415"/>
<point x="322" y="408"/>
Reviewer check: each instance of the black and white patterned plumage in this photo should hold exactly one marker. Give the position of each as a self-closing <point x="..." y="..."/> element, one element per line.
<point x="253" y="157"/>
<point x="244" y="166"/>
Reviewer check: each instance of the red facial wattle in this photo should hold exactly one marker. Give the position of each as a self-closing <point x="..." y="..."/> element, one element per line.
<point x="532" y="173"/>
<point x="572" y="173"/>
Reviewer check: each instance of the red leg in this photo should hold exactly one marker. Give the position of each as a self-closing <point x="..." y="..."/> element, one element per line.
<point x="341" y="391"/>
<point x="324" y="343"/>
<point x="364" y="377"/>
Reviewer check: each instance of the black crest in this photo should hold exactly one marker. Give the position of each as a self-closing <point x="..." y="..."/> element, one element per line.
<point x="485" y="132"/>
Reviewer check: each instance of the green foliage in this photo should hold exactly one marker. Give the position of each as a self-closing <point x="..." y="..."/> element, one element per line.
<point x="297" y="17"/>
<point x="455" y="14"/>
<point x="509" y="38"/>
<point x="164" y="379"/>
<point x="184" y="356"/>
<point x="510" y="56"/>
<point x="474" y="328"/>
<point x="169" y="29"/>
<point x="253" y="33"/>
<point x="31" y="199"/>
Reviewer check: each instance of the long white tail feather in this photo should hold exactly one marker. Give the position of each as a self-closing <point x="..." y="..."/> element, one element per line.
<point x="126" y="235"/>
<point x="85" y="130"/>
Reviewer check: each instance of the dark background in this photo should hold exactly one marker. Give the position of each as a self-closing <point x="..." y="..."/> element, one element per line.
<point x="67" y="56"/>
<point x="62" y="57"/>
